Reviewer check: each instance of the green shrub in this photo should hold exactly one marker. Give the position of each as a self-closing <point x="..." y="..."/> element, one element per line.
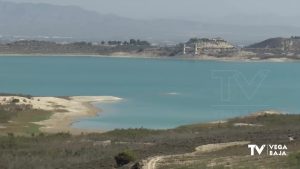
<point x="15" y="101"/>
<point x="124" y="158"/>
<point x="10" y="135"/>
<point x="63" y="135"/>
<point x="294" y="159"/>
<point x="41" y="134"/>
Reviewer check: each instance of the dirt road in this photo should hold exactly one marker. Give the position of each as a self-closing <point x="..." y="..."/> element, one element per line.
<point x="152" y="162"/>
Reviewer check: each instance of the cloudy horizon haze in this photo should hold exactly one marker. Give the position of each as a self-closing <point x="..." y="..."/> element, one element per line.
<point x="198" y="10"/>
<point x="240" y="21"/>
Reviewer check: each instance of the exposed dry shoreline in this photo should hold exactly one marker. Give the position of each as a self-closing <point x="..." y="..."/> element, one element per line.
<point x="146" y="56"/>
<point x="68" y="110"/>
<point x="65" y="110"/>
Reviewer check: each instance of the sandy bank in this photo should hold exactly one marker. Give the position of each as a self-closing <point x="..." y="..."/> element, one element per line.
<point x="149" y="56"/>
<point x="65" y="110"/>
<point x="267" y="112"/>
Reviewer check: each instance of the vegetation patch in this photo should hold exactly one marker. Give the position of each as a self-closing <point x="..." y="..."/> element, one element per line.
<point x="294" y="160"/>
<point x="128" y="147"/>
<point x="124" y="158"/>
<point x="19" y="118"/>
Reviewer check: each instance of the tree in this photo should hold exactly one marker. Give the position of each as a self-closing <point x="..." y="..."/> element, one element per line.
<point x="15" y="100"/>
<point x="132" y="42"/>
<point x="125" y="43"/>
<point x="144" y="43"/>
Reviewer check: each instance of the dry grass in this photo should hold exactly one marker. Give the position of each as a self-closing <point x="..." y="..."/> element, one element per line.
<point x="42" y="151"/>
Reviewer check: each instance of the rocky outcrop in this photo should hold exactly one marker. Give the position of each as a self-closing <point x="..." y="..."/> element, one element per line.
<point x="216" y="43"/>
<point x="211" y="47"/>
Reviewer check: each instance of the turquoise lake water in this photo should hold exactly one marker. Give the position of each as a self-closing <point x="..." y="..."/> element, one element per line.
<point x="157" y="93"/>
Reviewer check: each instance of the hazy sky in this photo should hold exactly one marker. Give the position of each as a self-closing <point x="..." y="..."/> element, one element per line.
<point x="184" y="9"/>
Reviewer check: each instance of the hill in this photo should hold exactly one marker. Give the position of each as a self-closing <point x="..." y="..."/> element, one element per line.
<point x="285" y="44"/>
<point x="71" y="23"/>
<point x="277" y="47"/>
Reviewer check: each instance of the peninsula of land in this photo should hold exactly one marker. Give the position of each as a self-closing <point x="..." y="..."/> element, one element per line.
<point x="49" y="114"/>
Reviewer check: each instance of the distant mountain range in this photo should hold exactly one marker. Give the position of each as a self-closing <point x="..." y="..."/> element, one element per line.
<point x="27" y="20"/>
